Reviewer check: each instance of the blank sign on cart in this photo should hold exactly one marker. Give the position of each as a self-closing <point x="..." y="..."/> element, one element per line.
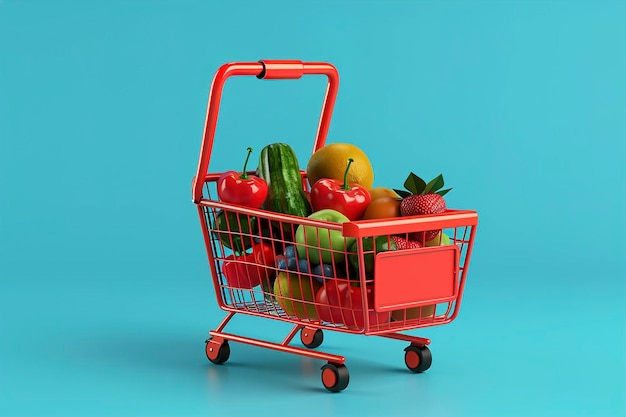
<point x="413" y="278"/>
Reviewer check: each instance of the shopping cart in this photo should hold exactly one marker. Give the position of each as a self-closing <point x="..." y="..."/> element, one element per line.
<point x="363" y="291"/>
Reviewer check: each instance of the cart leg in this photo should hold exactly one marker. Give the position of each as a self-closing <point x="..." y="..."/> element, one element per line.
<point x="291" y="334"/>
<point x="225" y="321"/>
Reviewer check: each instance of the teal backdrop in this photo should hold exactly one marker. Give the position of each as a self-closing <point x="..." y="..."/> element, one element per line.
<point x="106" y="295"/>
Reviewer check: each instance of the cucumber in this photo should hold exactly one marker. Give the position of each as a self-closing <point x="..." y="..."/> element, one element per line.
<point x="278" y="166"/>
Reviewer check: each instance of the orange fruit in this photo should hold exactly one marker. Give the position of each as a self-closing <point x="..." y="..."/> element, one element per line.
<point x="382" y="208"/>
<point x="330" y="161"/>
<point x="377" y="192"/>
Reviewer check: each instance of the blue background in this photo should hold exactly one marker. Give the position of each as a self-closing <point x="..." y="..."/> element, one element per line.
<point x="106" y="298"/>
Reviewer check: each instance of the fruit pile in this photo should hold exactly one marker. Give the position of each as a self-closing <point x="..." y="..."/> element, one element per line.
<point x="312" y="271"/>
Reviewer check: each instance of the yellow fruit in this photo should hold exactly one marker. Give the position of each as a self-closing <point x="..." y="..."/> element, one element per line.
<point x="413" y="313"/>
<point x="440" y="240"/>
<point x="378" y="192"/>
<point x="330" y="161"/>
<point x="296" y="294"/>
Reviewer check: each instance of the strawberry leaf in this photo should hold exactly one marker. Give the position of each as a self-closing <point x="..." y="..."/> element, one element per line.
<point x="414" y="184"/>
<point x="434" y="185"/>
<point x="402" y="193"/>
<point x="443" y="192"/>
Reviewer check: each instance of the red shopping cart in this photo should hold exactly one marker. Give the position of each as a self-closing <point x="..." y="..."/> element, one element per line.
<point x="362" y="290"/>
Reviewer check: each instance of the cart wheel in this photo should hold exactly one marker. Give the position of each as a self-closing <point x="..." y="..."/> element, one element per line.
<point x="311" y="338"/>
<point x="335" y="377"/>
<point x="217" y="352"/>
<point x="417" y="359"/>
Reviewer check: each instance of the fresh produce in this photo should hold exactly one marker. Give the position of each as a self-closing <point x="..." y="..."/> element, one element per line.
<point x="348" y="199"/>
<point x="240" y="274"/>
<point x="374" y="318"/>
<point x="330" y="161"/>
<point x="378" y="192"/>
<point x="421" y="198"/>
<point x="268" y="235"/>
<point x="371" y="247"/>
<point x="382" y="208"/>
<point x="339" y="302"/>
<point x="291" y="254"/>
<point x="231" y="273"/>
<point x="236" y="230"/>
<point x="330" y="301"/>
<point x="322" y="245"/>
<point x="264" y="257"/>
<point x="295" y="294"/>
<point x="402" y="243"/>
<point x="267" y="259"/>
<point x="321" y="271"/>
<point x="440" y="240"/>
<point x="246" y="270"/>
<point x="278" y="166"/>
<point x="289" y="261"/>
<point x="241" y="188"/>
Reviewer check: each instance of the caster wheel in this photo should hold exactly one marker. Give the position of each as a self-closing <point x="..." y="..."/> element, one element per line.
<point x="417" y="359"/>
<point x="335" y="377"/>
<point x="217" y="352"/>
<point x="311" y="338"/>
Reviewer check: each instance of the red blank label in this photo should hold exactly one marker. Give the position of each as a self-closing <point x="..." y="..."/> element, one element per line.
<point x="415" y="277"/>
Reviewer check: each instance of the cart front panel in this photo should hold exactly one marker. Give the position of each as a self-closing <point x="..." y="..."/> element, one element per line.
<point x="432" y="277"/>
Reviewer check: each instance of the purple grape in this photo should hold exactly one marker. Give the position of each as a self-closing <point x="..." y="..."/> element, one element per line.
<point x="303" y="266"/>
<point x="292" y="264"/>
<point x="281" y="263"/>
<point x="290" y="252"/>
<point x="322" y="271"/>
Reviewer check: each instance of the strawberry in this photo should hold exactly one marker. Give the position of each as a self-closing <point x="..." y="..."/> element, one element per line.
<point x="402" y="243"/>
<point x="414" y="205"/>
<point x="421" y="198"/>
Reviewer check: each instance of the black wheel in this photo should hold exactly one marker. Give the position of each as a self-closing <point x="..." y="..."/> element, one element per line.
<point x="335" y="377"/>
<point x="217" y="352"/>
<point x="417" y="359"/>
<point x="311" y="338"/>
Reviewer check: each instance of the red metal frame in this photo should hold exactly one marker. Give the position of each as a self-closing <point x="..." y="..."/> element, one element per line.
<point x="410" y="288"/>
<point x="267" y="69"/>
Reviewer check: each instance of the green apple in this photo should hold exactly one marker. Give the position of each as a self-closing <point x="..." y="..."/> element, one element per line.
<point x="311" y="240"/>
<point x="295" y="293"/>
<point x="440" y="240"/>
<point x="371" y="247"/>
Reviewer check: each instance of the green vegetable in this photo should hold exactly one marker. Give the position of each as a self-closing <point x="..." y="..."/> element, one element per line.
<point x="278" y="166"/>
<point x="237" y="230"/>
<point x="382" y="244"/>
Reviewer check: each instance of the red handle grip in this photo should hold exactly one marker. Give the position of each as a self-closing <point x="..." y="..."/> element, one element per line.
<point x="268" y="69"/>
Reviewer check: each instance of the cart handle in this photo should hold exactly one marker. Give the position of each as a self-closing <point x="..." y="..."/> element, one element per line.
<point x="265" y="69"/>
